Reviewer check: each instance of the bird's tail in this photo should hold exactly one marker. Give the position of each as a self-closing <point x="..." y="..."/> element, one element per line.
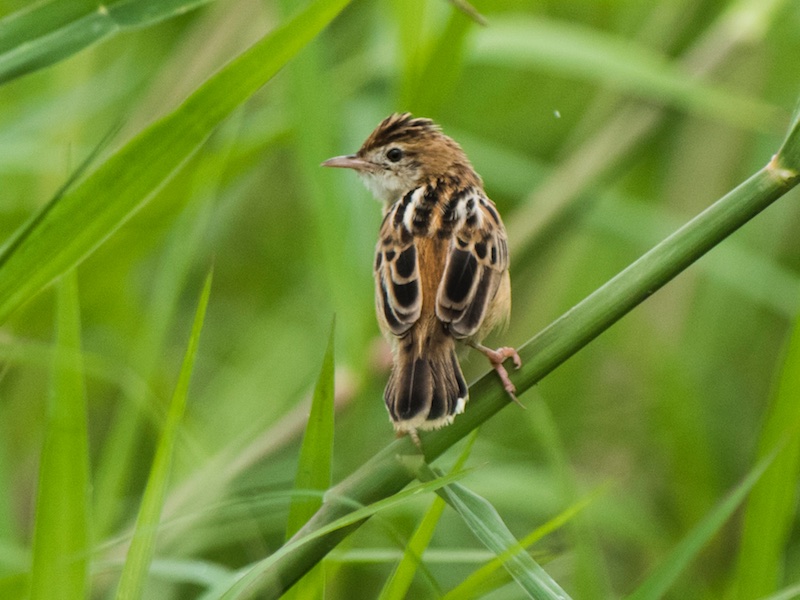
<point x="426" y="388"/>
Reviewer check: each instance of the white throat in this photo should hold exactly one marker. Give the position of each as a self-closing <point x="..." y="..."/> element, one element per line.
<point x="386" y="186"/>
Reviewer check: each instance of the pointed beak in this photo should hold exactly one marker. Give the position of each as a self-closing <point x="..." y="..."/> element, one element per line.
<point x="351" y="161"/>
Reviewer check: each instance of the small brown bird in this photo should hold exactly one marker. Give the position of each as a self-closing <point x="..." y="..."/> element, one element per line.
<point x="441" y="267"/>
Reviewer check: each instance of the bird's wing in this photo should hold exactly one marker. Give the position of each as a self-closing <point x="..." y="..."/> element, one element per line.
<point x="477" y="259"/>
<point x="398" y="293"/>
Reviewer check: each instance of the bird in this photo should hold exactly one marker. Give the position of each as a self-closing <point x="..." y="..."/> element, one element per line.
<point x="441" y="267"/>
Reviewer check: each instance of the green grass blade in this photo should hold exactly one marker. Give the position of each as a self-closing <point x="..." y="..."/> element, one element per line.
<point x="487" y="525"/>
<point x="588" y="54"/>
<point x="137" y="563"/>
<point x="118" y="453"/>
<point x="410" y="16"/>
<point x="396" y="587"/>
<point x="257" y="581"/>
<point x="314" y="465"/>
<point x="46" y="33"/>
<point x="789" y="155"/>
<point x="771" y="507"/>
<point x="399" y="582"/>
<point x="657" y="584"/>
<point x="61" y="538"/>
<point x="439" y="75"/>
<point x="789" y="593"/>
<point x="91" y="211"/>
<point x="475" y="585"/>
<point x="316" y="451"/>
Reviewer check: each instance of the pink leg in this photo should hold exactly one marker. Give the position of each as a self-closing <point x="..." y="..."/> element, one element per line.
<point x="497" y="357"/>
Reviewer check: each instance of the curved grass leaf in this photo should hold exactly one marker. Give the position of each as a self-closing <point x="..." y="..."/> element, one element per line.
<point x="399" y="582"/>
<point x="487" y="525"/>
<point x="474" y="585"/>
<point x="771" y="508"/>
<point x="586" y="53"/>
<point x="137" y="563"/>
<point x="61" y="538"/>
<point x="90" y="212"/>
<point x="256" y="580"/>
<point x="46" y="33"/>
<point x="657" y="584"/>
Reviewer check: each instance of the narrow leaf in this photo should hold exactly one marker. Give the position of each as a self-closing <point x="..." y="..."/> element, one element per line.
<point x="471" y="586"/>
<point x="487" y="525"/>
<point x="61" y="537"/>
<point x="439" y="75"/>
<point x="399" y="582"/>
<point x="568" y="49"/>
<point x="120" y="451"/>
<point x="657" y="584"/>
<point x="140" y="554"/>
<point x="314" y="466"/>
<point x="45" y="33"/>
<point x="772" y="505"/>
<point x="257" y="581"/>
<point x="91" y="211"/>
<point x="789" y="155"/>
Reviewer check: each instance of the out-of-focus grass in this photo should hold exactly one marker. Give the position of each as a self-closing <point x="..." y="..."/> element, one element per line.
<point x="666" y="408"/>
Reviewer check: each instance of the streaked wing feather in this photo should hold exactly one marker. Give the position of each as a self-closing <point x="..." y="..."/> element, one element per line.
<point x="477" y="259"/>
<point x="398" y="294"/>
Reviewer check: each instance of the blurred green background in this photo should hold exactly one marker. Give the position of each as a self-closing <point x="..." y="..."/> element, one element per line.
<point x="599" y="127"/>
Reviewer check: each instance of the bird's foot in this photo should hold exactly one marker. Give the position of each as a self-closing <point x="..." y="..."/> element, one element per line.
<point x="496" y="358"/>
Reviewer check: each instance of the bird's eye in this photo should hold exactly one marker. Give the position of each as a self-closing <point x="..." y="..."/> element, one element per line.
<point x="394" y="154"/>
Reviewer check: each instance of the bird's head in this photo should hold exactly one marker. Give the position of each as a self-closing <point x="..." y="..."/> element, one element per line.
<point x="402" y="154"/>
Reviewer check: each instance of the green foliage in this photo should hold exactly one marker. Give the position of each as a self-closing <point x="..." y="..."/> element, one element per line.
<point x="137" y="563"/>
<point x="52" y="31"/>
<point x="487" y="525"/>
<point x="61" y="544"/>
<point x="316" y="451"/>
<point x="772" y="506"/>
<point x="657" y="583"/>
<point x="599" y="128"/>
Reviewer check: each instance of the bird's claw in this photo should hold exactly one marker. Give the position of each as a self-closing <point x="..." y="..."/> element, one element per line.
<point x="496" y="358"/>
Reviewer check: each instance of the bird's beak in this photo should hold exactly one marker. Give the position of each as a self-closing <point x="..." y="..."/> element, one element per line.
<point x="351" y="161"/>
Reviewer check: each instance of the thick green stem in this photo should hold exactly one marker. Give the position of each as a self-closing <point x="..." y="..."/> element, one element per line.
<point x="384" y="475"/>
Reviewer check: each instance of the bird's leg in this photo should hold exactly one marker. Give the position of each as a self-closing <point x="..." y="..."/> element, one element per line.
<point x="412" y="433"/>
<point x="497" y="357"/>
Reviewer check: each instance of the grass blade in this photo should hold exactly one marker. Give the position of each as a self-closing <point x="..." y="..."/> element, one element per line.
<point x="316" y="452"/>
<point x="257" y="580"/>
<point x="439" y="75"/>
<point x="586" y="53"/>
<point x="137" y="563"/>
<point x="399" y="582"/>
<point x="314" y="466"/>
<point x="771" y="508"/>
<point x="91" y="211"/>
<point x="46" y="33"/>
<point x="657" y="584"/>
<point x="487" y="525"/>
<point x="121" y="447"/>
<point x="396" y="587"/>
<point x="61" y="538"/>
<point x="474" y="585"/>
